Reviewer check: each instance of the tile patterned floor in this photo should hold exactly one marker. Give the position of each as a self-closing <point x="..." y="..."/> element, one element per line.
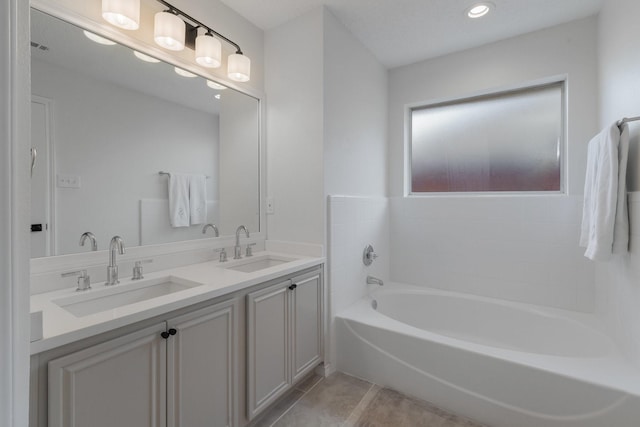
<point x="344" y="401"/>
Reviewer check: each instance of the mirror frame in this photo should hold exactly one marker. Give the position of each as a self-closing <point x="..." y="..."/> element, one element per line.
<point x="74" y="261"/>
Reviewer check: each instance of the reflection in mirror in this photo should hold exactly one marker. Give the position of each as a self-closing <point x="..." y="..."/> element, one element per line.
<point x="106" y="120"/>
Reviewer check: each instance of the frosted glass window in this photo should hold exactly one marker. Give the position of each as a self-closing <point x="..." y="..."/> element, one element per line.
<point x="507" y="142"/>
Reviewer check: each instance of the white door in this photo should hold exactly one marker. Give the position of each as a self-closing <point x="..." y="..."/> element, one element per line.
<point x="40" y="178"/>
<point x="306" y="323"/>
<point x="267" y="346"/>
<point x="202" y="367"/>
<point x="118" y="383"/>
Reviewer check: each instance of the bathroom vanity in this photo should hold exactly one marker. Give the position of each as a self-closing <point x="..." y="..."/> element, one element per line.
<point x="218" y="348"/>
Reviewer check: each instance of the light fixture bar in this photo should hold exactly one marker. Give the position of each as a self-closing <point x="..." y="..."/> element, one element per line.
<point x="197" y="23"/>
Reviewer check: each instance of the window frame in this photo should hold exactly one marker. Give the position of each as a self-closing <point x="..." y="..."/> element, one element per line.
<point x="561" y="81"/>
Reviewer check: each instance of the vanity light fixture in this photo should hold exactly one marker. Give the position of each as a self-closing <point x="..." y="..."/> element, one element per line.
<point x="96" y="38"/>
<point x="184" y="73"/>
<point x="122" y="13"/>
<point x="479" y="10"/>
<point x="175" y="30"/>
<point x="145" y="58"/>
<point x="216" y="86"/>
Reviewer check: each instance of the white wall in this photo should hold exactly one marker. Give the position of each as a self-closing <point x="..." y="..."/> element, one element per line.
<point x="516" y="248"/>
<point x="14" y="208"/>
<point x="355" y="163"/>
<point x="355" y="115"/>
<point x="618" y="282"/>
<point x="355" y="222"/>
<point x="109" y="149"/>
<point x="326" y="130"/>
<point x="211" y="12"/>
<point x="294" y="86"/>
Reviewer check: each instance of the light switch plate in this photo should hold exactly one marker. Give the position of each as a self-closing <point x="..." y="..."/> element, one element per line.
<point x="68" y="181"/>
<point x="271" y="207"/>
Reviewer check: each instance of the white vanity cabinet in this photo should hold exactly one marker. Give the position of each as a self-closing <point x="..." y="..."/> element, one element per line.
<point x="117" y="383"/>
<point x="178" y="373"/>
<point x="202" y="365"/>
<point x="284" y="337"/>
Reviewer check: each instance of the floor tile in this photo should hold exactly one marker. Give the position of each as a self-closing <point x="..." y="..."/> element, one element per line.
<point x="307" y="384"/>
<point x="392" y="409"/>
<point x="328" y="404"/>
<point x="280" y="407"/>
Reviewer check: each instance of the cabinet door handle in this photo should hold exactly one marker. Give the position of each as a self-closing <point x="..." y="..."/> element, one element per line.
<point x="164" y="335"/>
<point x="172" y="331"/>
<point x="292" y="287"/>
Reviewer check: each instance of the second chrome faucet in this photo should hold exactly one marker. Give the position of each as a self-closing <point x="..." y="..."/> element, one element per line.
<point x="237" y="253"/>
<point x="117" y="244"/>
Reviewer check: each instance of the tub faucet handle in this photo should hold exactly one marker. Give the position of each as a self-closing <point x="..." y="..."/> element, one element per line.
<point x="368" y="255"/>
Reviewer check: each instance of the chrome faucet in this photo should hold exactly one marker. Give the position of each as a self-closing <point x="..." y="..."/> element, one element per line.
<point x="89" y="235"/>
<point x="237" y="253"/>
<point x="374" y="281"/>
<point x="216" y="233"/>
<point x="112" y="270"/>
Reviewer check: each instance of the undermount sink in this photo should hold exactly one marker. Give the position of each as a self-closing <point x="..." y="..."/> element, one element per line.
<point x="249" y="265"/>
<point x="98" y="300"/>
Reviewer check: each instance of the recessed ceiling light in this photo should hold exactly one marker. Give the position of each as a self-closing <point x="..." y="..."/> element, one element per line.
<point x="479" y="10"/>
<point x="217" y="96"/>
<point x="145" y="58"/>
<point x="183" y="73"/>
<point x="96" y="38"/>
<point x="214" y="85"/>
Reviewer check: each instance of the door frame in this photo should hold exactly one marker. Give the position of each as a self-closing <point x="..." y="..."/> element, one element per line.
<point x="50" y="214"/>
<point x="15" y="104"/>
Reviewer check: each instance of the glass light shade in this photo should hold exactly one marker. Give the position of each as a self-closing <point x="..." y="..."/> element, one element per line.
<point x="239" y="68"/>
<point x="169" y="31"/>
<point x="214" y="85"/>
<point x="96" y="38"/>
<point x="208" y="51"/>
<point x="122" y="13"/>
<point x="184" y="73"/>
<point x="145" y="58"/>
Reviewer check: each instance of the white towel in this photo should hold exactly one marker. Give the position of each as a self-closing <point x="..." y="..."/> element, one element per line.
<point x="198" y="199"/>
<point x="179" y="200"/>
<point x="605" y="219"/>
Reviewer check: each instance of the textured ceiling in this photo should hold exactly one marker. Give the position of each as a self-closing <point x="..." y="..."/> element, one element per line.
<point x="401" y="32"/>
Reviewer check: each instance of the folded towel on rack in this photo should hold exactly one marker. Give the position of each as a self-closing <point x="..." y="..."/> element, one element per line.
<point x="179" y="199"/>
<point x="605" y="218"/>
<point x="198" y="199"/>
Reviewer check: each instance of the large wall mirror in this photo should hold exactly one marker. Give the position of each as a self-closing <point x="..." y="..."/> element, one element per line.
<point x="106" y="120"/>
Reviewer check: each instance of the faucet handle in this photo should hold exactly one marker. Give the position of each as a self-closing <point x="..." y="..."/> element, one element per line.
<point x="137" y="269"/>
<point x="84" y="280"/>
<point x="223" y="254"/>
<point x="249" y="251"/>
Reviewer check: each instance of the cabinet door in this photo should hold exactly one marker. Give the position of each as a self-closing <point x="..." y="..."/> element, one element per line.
<point x="202" y="367"/>
<point x="268" y="370"/>
<point x="307" y="323"/>
<point x="117" y="383"/>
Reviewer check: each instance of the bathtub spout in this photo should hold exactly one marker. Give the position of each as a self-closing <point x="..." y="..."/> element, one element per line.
<point x="374" y="281"/>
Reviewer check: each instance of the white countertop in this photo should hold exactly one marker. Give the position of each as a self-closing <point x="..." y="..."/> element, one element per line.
<point x="60" y="327"/>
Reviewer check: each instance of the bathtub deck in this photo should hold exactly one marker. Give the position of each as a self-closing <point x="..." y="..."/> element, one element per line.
<point x="345" y="401"/>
